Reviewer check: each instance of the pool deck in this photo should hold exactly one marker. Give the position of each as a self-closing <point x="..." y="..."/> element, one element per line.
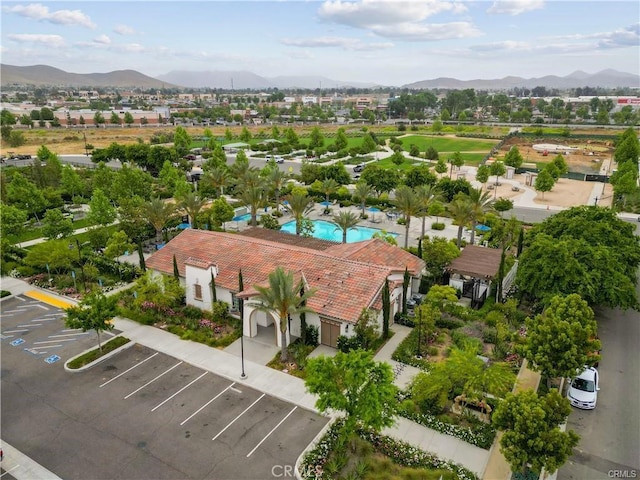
<point x="379" y="220"/>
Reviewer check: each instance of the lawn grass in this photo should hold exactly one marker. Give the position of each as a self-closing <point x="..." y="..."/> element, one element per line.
<point x="96" y="353"/>
<point x="36" y="232"/>
<point x="448" y="144"/>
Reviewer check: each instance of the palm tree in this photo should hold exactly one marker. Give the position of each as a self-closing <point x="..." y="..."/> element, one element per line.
<point x="461" y="212"/>
<point x="299" y="204"/>
<point x="329" y="186"/>
<point x="218" y="178"/>
<point x="157" y="212"/>
<point x="191" y="204"/>
<point x="283" y="298"/>
<point x="276" y="180"/>
<point x="408" y="203"/>
<point x="427" y="195"/>
<point x="253" y="192"/>
<point x="481" y="203"/>
<point x="344" y="221"/>
<point x="362" y="191"/>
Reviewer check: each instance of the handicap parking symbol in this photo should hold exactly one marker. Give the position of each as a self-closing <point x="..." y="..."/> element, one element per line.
<point x="52" y="359"/>
<point x="17" y="341"/>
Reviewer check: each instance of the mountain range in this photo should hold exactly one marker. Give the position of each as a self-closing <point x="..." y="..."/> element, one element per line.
<point x="44" y="75"/>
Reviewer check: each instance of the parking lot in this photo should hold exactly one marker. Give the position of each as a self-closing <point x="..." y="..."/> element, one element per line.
<point x="140" y="414"/>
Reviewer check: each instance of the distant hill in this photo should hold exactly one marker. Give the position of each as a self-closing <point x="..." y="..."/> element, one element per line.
<point x="241" y="80"/>
<point x="42" y="75"/>
<point x="605" y="79"/>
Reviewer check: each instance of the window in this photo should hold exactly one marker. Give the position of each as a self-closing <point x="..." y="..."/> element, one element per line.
<point x="235" y="303"/>
<point x="197" y="291"/>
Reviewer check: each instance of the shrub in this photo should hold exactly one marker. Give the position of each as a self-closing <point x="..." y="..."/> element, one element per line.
<point x="437" y="226"/>
<point x="346" y="344"/>
<point x="449" y="322"/>
<point x="313" y="335"/>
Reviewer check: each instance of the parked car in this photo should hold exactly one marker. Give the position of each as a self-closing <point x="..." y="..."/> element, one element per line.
<point x="359" y="167"/>
<point x="583" y="390"/>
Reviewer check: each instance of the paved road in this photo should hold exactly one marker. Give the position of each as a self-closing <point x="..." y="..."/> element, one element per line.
<point x="140" y="414"/>
<point x="610" y="434"/>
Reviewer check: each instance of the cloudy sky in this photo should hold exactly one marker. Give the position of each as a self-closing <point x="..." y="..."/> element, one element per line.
<point x="387" y="42"/>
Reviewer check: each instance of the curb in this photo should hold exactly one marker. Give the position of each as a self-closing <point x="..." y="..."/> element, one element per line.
<point x="121" y="348"/>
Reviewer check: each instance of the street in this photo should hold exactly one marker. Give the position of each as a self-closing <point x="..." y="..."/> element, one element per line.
<point x="610" y="435"/>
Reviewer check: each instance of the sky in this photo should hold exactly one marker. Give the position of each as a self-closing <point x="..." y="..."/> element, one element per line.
<point x="390" y="42"/>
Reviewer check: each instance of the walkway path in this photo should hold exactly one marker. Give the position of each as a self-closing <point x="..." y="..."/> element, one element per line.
<point x="279" y="384"/>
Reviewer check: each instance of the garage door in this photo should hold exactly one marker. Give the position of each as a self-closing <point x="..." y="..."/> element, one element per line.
<point x="329" y="333"/>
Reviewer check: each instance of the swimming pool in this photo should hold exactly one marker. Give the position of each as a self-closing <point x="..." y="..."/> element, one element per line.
<point x="242" y="218"/>
<point x="328" y="231"/>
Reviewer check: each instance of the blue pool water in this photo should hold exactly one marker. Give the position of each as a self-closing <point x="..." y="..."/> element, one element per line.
<point x="242" y="218"/>
<point x="328" y="231"/>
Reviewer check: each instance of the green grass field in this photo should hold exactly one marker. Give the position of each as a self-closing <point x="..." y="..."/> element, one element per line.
<point x="448" y="144"/>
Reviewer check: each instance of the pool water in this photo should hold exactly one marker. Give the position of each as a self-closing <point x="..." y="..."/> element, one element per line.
<point x="328" y="231"/>
<point x="242" y="218"/>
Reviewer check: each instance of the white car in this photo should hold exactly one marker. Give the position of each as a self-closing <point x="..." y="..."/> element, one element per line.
<point x="583" y="391"/>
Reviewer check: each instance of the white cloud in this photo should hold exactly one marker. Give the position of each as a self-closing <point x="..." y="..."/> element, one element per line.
<point x="514" y="7"/>
<point x="55" y="41"/>
<point x="130" y="48"/>
<point x="399" y="19"/>
<point x="124" y="30"/>
<point x="335" y="42"/>
<point x="621" y="38"/>
<point x="102" y="39"/>
<point x="36" y="11"/>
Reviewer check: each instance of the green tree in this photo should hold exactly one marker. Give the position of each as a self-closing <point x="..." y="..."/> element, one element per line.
<point x="409" y="204"/>
<point x="381" y="180"/>
<point x="544" y="182"/>
<point x="513" y="158"/>
<point x="341" y="141"/>
<point x="162" y="290"/>
<point x="12" y="220"/>
<point x="55" y="225"/>
<point x="386" y="309"/>
<point x="55" y="253"/>
<point x="502" y="205"/>
<point x="245" y="135"/>
<point x="252" y="193"/>
<point x="25" y="195"/>
<point x="95" y="312"/>
<point x="457" y="161"/>
<point x="282" y="298"/>
<point x="361" y="192"/>
<point x="191" y="204"/>
<point x="101" y="211"/>
<point x="221" y="212"/>
<point x="482" y="174"/>
<point x="532" y="436"/>
<point x="128" y="118"/>
<point x="115" y="119"/>
<point x="561" y="164"/>
<point x="181" y="141"/>
<point x="71" y="182"/>
<point x="561" y="341"/>
<point x="344" y="221"/>
<point x="481" y="204"/>
<point x="498" y="169"/>
<point x="438" y="252"/>
<point x="299" y="204"/>
<point x="316" y="139"/>
<point x="157" y="212"/>
<point x="355" y="384"/>
<point x="130" y="181"/>
<point x="118" y="244"/>
<point x="427" y="195"/>
<point x="441" y="166"/>
<point x="461" y="211"/>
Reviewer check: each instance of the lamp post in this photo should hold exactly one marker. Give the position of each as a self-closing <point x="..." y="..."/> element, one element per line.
<point x="418" y="313"/>
<point x="243" y="375"/>
<point x="84" y="281"/>
<point x="86" y="149"/>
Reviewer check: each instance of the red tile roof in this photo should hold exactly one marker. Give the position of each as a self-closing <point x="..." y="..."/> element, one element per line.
<point x="379" y="252"/>
<point x="344" y="285"/>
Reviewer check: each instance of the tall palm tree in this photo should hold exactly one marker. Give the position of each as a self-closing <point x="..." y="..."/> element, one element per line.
<point x="344" y="221"/>
<point x="427" y="195"/>
<point x="218" y="178"/>
<point x="408" y="203"/>
<point x="299" y="204"/>
<point x="362" y="191"/>
<point x="191" y="204"/>
<point x="253" y="192"/>
<point x="283" y="297"/>
<point x="461" y="212"/>
<point x="157" y="212"/>
<point x="481" y="203"/>
<point x="276" y="181"/>
<point x="329" y="186"/>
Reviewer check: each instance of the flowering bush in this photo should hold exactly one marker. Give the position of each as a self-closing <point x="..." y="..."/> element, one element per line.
<point x="407" y="455"/>
<point x="208" y="324"/>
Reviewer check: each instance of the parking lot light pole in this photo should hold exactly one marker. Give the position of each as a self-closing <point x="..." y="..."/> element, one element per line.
<point x="243" y="375"/>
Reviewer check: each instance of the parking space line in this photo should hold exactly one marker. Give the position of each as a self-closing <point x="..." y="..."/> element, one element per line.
<point x="183" y="388"/>
<point x="206" y="404"/>
<point x="16" y="331"/>
<point x="128" y="370"/>
<point x="30" y="325"/>
<point x="54" y="341"/>
<point x="234" y="420"/>
<point x="151" y="381"/>
<point x="68" y="335"/>
<point x="46" y="346"/>
<point x="73" y="330"/>
<point x="10" y="470"/>
<point x="272" y="430"/>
